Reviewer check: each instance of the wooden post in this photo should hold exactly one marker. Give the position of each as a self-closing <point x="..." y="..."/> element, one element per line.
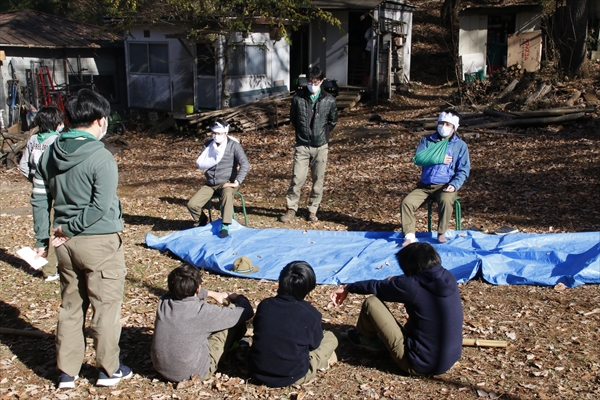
<point x="484" y="343"/>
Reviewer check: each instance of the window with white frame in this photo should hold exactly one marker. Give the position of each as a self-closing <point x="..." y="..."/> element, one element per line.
<point x="148" y="58"/>
<point x="247" y="59"/>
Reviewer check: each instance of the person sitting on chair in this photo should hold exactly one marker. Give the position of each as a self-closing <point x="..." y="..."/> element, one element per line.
<point x="225" y="167"/>
<point x="444" y="158"/>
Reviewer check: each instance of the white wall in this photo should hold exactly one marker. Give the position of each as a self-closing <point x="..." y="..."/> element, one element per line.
<point x="472" y="37"/>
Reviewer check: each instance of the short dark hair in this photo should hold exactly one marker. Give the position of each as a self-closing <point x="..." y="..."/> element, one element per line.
<point x="297" y="279"/>
<point x="48" y="118"/>
<point x="418" y="257"/>
<point x="315" y="73"/>
<point x="86" y="107"/>
<point x="184" y="281"/>
<point x="220" y="121"/>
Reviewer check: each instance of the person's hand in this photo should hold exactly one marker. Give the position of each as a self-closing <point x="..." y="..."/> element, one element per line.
<point x="231" y="185"/>
<point x="339" y="295"/>
<point x="41" y="252"/>
<point x="220" y="297"/>
<point x="59" y="238"/>
<point x="447" y="159"/>
<point x="449" y="189"/>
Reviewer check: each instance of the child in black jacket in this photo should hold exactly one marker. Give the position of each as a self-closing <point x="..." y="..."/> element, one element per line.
<point x="289" y="345"/>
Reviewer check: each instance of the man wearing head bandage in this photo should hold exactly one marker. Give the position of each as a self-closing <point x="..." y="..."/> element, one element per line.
<point x="225" y="166"/>
<point x="445" y="163"/>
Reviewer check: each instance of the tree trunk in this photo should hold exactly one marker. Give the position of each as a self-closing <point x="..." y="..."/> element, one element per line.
<point x="570" y="34"/>
<point x="449" y="13"/>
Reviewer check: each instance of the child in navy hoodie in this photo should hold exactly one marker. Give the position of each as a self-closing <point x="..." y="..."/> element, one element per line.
<point x="289" y="346"/>
<point x="431" y="340"/>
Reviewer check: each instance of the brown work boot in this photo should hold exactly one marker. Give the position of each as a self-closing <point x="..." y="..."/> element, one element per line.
<point x="312" y="217"/>
<point x="288" y="216"/>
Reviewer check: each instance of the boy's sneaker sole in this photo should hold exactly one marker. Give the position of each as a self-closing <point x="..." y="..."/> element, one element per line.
<point x="66" y="381"/>
<point x="124" y="372"/>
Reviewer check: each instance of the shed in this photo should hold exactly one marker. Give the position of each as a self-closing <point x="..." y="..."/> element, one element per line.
<point x="496" y="37"/>
<point x="167" y="71"/>
<point x="44" y="58"/>
<point x="373" y="49"/>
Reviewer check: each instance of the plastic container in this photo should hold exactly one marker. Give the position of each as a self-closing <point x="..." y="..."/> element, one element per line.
<point x="189" y="109"/>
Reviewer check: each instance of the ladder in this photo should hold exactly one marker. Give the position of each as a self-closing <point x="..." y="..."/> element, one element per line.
<point x="47" y="93"/>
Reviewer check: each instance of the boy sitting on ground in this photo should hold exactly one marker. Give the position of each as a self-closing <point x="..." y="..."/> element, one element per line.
<point x="289" y="345"/>
<point x="190" y="335"/>
<point x="431" y="340"/>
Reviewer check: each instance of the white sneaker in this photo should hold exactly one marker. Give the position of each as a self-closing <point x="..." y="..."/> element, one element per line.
<point x="51" y="278"/>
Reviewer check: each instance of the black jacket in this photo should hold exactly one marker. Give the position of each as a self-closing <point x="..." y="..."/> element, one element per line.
<point x="285" y="331"/>
<point x="315" y="134"/>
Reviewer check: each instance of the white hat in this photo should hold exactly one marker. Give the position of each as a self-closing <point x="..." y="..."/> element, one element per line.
<point x="449" y="117"/>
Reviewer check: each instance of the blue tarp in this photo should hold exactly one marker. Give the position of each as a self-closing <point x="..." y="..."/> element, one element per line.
<point x="345" y="257"/>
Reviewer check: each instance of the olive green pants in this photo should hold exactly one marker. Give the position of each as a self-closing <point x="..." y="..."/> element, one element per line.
<point x="318" y="359"/>
<point x="417" y="197"/>
<point x="204" y="195"/>
<point x="376" y="320"/>
<point x="92" y="273"/>
<point x="305" y="158"/>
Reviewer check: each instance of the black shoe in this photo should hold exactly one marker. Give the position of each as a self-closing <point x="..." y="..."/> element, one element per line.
<point x="359" y="340"/>
<point x="203" y="220"/>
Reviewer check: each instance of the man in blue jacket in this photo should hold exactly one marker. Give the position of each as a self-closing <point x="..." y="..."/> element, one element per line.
<point x="444" y="158"/>
<point x="431" y="340"/>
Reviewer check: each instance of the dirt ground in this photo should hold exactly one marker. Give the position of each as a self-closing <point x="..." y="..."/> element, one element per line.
<point x="540" y="180"/>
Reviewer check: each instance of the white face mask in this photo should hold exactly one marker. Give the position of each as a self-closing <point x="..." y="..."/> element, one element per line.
<point x="219" y="138"/>
<point x="313" y="89"/>
<point x="104" y="129"/>
<point x="444" y="130"/>
<point x="60" y="128"/>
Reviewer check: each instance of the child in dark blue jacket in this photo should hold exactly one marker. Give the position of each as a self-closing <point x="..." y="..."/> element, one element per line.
<point x="289" y="345"/>
<point x="431" y="340"/>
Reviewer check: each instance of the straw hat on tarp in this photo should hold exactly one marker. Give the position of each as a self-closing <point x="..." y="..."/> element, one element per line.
<point x="243" y="265"/>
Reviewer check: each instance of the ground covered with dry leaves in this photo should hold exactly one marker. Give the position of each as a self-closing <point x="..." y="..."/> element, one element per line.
<point x="541" y="180"/>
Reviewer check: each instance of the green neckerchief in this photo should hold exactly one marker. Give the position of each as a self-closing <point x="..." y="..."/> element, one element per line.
<point x="76" y="133"/>
<point x="314" y="98"/>
<point x="41" y="137"/>
<point x="432" y="155"/>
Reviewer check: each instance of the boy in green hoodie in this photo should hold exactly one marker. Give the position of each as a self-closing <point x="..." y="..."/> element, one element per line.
<point x="78" y="178"/>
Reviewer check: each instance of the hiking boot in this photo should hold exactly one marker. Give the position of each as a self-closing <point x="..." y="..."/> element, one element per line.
<point x="124" y="372"/>
<point x="66" y="381"/>
<point x="359" y="340"/>
<point x="224" y="231"/>
<point x="288" y="216"/>
<point x="312" y="217"/>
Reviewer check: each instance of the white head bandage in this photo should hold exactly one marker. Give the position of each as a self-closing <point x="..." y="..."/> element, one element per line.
<point x="219" y="128"/>
<point x="449" y="117"/>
